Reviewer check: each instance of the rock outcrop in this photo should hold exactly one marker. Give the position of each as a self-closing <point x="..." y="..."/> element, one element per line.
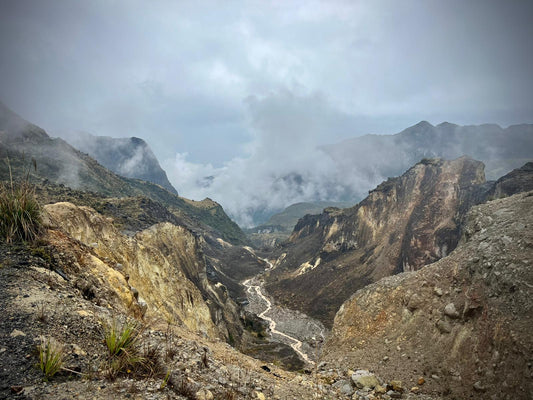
<point x="460" y="326"/>
<point x="163" y="266"/>
<point x="404" y="224"/>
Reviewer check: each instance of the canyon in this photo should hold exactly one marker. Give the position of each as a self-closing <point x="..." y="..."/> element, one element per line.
<point x="426" y="281"/>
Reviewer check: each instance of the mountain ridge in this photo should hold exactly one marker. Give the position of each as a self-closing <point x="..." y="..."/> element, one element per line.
<point x="129" y="157"/>
<point x="404" y="224"/>
<point x="59" y="163"/>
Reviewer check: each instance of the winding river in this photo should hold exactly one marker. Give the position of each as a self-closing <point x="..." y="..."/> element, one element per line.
<point x="259" y="301"/>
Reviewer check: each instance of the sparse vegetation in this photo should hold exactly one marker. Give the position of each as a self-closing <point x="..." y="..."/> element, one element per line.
<point x="51" y="357"/>
<point x="182" y="386"/>
<point x="121" y="339"/>
<point x="126" y="352"/>
<point x="164" y="383"/>
<point x="20" y="212"/>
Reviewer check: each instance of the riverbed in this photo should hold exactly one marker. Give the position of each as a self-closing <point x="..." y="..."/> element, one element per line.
<point x="304" y="334"/>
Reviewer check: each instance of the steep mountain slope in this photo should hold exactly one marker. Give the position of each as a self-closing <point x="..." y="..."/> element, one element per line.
<point x="463" y="324"/>
<point x="518" y="180"/>
<point x="128" y="157"/>
<point x="59" y="290"/>
<point x="380" y="156"/>
<point x="58" y="162"/>
<point x="404" y="224"/>
<point x="164" y="263"/>
<point x="279" y="226"/>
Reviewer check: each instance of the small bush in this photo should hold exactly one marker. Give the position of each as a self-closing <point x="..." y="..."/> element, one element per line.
<point x="51" y="357"/>
<point x="20" y="213"/>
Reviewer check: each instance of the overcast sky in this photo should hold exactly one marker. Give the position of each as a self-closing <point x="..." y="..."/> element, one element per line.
<point x="209" y="83"/>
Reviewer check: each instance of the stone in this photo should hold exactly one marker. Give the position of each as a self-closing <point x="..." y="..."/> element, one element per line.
<point x="478" y="386"/>
<point x="397" y="386"/>
<point x="17" y="333"/>
<point x="204" y="394"/>
<point x="444" y="326"/>
<point x="380" y="389"/>
<point x="415" y="389"/>
<point x="259" y="396"/>
<point x="77" y="350"/>
<point x="83" y="313"/>
<point x="437" y="290"/>
<point x="363" y="378"/>
<point x="347" y="389"/>
<point x="415" y="302"/>
<point x="421" y="381"/>
<point x="450" y="311"/>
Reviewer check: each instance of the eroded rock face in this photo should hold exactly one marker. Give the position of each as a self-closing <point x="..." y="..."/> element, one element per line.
<point x="404" y="224"/>
<point x="461" y="324"/>
<point x="162" y="267"/>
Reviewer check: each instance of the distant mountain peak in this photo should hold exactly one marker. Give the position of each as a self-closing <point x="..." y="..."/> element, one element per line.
<point x="423" y="124"/>
<point x="130" y="157"/>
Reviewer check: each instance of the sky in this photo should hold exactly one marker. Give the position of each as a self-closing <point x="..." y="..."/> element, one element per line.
<point x="233" y="94"/>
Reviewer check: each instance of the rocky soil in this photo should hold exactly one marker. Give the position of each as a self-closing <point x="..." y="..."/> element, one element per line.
<point x="459" y="328"/>
<point x="37" y="301"/>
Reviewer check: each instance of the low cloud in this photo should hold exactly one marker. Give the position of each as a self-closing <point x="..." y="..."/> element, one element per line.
<point x="284" y="163"/>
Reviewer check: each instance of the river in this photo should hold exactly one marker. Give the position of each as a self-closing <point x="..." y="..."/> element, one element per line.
<point x="299" y="331"/>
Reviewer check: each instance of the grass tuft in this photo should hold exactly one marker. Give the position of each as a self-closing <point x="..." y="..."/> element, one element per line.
<point x="51" y="357"/>
<point x="121" y="338"/>
<point x="126" y="353"/>
<point x="20" y="212"/>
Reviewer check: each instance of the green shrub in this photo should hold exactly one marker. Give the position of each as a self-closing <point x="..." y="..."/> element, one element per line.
<point x="51" y="357"/>
<point x="20" y="213"/>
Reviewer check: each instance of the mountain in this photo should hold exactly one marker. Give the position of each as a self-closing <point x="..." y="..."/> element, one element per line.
<point x="382" y="156"/>
<point x="58" y="162"/>
<point x="458" y="328"/>
<point x="404" y="224"/>
<point x="280" y="225"/>
<point x="128" y="157"/>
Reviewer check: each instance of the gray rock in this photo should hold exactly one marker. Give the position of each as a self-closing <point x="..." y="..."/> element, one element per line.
<point x="347" y="389"/>
<point x="444" y="326"/>
<point x="450" y="311"/>
<point x="204" y="394"/>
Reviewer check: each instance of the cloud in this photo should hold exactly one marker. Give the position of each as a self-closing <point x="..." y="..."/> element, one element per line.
<point x="283" y="165"/>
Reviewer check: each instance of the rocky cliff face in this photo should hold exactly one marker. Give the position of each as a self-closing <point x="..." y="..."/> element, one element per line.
<point x="404" y="224"/>
<point x="162" y="267"/>
<point x="516" y="181"/>
<point x="129" y="157"/>
<point x="458" y="327"/>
